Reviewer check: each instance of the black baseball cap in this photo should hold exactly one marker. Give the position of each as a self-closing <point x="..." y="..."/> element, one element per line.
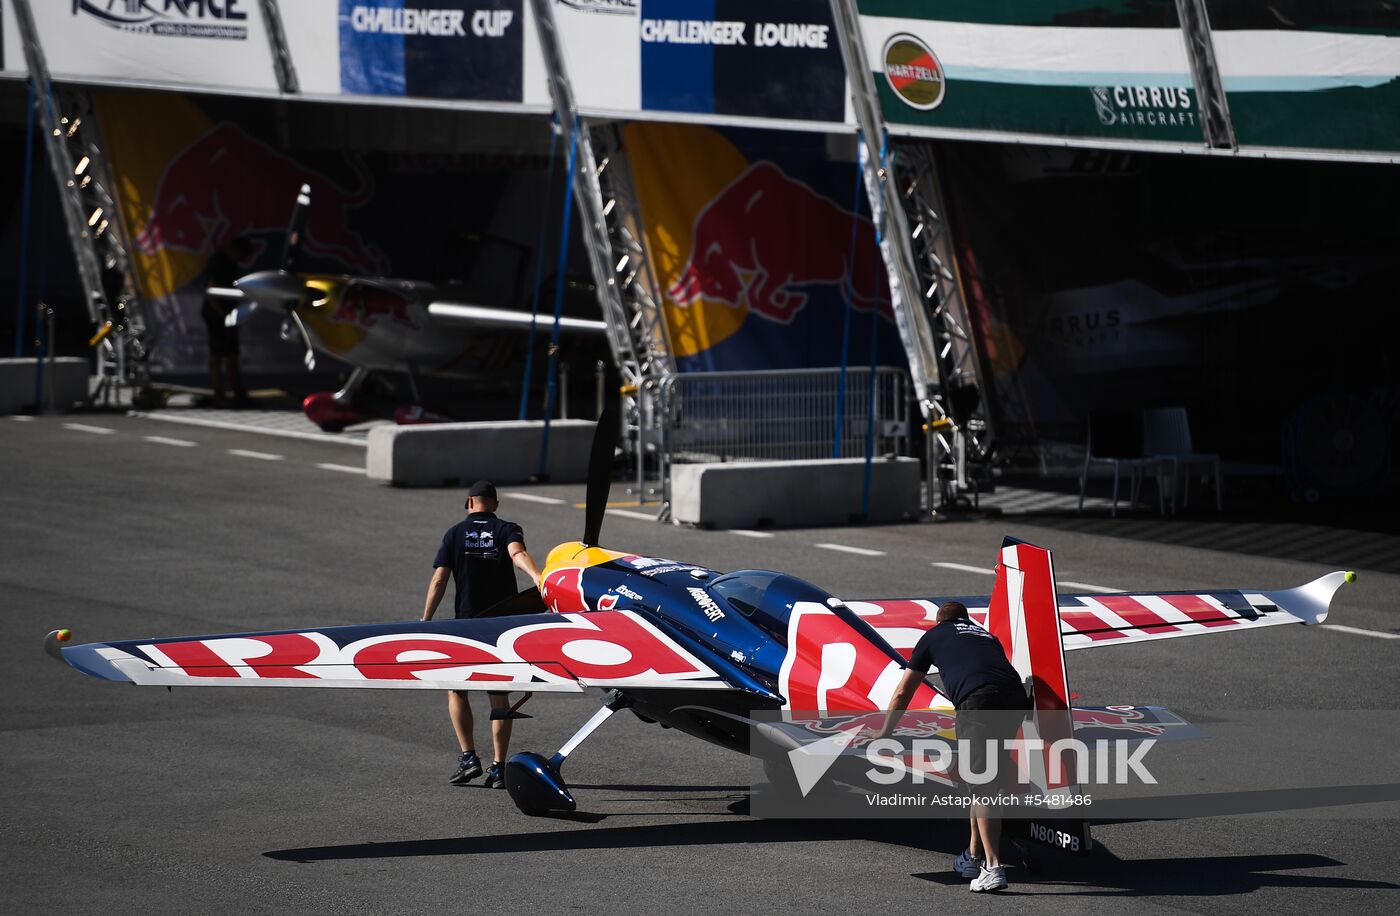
<point x="483" y="488"/>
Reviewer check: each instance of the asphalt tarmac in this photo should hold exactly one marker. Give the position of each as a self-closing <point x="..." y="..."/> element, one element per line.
<point x="126" y="800"/>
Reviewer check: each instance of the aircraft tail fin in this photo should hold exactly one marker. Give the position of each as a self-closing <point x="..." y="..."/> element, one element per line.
<point x="1024" y="616"/>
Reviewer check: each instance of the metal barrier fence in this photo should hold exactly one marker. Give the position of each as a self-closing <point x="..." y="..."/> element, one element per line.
<point x="785" y="415"/>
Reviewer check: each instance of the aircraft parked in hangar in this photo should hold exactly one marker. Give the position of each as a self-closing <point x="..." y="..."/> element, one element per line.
<point x="378" y="325"/>
<point x="705" y="652"/>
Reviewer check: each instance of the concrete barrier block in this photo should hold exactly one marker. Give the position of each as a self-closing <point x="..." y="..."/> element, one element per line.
<point x="446" y="454"/>
<point x="69" y="378"/>
<point x="792" y="493"/>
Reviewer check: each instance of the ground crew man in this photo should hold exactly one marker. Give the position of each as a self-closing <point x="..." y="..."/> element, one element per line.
<point x="990" y="700"/>
<point x="481" y="554"/>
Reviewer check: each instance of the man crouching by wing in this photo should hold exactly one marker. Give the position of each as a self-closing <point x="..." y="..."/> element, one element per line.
<point x="990" y="702"/>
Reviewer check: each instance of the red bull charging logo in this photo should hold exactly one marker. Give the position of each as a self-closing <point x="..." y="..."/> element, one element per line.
<point x="765" y="236"/>
<point x="226" y="184"/>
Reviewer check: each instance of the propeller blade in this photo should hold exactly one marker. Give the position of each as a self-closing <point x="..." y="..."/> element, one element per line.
<point x="310" y="358"/>
<point x="600" y="461"/>
<point x="291" y="245"/>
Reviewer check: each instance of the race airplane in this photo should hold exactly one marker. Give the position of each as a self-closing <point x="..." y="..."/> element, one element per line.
<point x="705" y="652"/>
<point x="377" y="325"/>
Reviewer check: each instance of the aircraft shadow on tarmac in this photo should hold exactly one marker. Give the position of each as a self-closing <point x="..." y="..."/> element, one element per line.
<point x="736" y="828"/>
<point x="1204" y="876"/>
<point x="1103" y="874"/>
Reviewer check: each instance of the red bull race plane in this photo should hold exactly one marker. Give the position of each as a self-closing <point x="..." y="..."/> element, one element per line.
<point x="706" y="652"/>
<point x="376" y="325"/>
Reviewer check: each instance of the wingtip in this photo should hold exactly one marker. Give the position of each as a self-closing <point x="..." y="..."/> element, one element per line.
<point x="53" y="642"/>
<point x="1311" y="603"/>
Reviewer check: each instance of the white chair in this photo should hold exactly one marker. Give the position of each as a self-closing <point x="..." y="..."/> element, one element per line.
<point x="1166" y="434"/>
<point x="1115" y="437"/>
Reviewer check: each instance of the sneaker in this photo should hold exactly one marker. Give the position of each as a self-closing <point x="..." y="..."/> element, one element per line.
<point x="990" y="879"/>
<point x="496" y="777"/>
<point x="468" y="768"/>
<point x="968" y="865"/>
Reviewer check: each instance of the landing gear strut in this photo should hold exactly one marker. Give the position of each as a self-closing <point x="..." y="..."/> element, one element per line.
<point x="533" y="780"/>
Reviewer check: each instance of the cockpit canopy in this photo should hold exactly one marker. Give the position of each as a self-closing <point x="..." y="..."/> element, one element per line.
<point x="764" y="597"/>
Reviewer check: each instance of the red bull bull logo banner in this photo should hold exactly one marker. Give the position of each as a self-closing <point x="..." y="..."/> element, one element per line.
<point x="757" y="252"/>
<point x="1067" y="68"/>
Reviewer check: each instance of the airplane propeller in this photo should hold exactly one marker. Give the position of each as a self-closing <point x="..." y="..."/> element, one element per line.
<point x="600" y="473"/>
<point x="282" y="289"/>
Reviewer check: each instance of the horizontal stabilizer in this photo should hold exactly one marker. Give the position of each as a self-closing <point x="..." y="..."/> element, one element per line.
<point x="1113" y="619"/>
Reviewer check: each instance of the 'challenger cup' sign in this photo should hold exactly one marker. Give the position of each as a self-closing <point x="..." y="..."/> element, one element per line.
<point x="452" y="49"/>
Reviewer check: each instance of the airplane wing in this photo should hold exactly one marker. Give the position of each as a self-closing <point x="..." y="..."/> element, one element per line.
<point x="480" y="316"/>
<point x="1089" y="621"/>
<point x="536" y="652"/>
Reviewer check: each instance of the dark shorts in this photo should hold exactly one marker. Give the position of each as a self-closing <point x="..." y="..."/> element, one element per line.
<point x="223" y="341"/>
<point x="991" y="714"/>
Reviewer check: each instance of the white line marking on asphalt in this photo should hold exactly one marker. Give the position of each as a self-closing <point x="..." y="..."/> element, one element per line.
<point x="747" y="533"/>
<point x="84" y="428"/>
<point x="261" y="456"/>
<point x="964" y="568"/>
<point x="1090" y="588"/>
<point x="162" y="440"/>
<point x="863" y="551"/>
<point x="629" y="514"/>
<point x="22" y="418"/>
<point x="1360" y="632"/>
<point x="343" y="468"/>
<point x="249" y="428"/>
<point x="532" y="498"/>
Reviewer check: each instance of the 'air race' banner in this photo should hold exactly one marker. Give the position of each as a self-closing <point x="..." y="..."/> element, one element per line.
<point x="1311" y="74"/>
<point x="1070" y="69"/>
<point x="473" y="51"/>
<point x="218" y="44"/>
<point x="713" y="59"/>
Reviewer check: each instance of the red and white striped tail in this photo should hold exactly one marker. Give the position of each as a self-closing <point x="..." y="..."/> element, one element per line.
<point x="1025" y="617"/>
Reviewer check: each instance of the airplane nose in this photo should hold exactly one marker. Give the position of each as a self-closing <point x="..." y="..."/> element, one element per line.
<point x="277" y="289"/>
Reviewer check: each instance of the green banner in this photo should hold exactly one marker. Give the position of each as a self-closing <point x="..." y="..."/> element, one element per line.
<point x="1311" y="74"/>
<point x="1057" y="68"/>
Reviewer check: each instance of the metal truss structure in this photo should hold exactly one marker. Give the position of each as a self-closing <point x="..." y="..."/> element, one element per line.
<point x="93" y="223"/>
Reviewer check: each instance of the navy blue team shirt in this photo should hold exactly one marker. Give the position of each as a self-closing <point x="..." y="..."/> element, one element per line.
<point x="967" y="657"/>
<point x="477" y="550"/>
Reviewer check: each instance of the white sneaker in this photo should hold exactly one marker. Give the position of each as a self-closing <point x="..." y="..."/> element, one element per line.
<point x="990" y="879"/>
<point x="968" y="865"/>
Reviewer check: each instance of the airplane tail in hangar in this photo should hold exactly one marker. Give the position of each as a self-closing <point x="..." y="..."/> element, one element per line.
<point x="1024" y="616"/>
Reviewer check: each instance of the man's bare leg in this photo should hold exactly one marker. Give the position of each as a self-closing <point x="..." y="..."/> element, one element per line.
<point x="460" y="711"/>
<point x="500" y="728"/>
<point x="990" y="829"/>
<point x="974" y="845"/>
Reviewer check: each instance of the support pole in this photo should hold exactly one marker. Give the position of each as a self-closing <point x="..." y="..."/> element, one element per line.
<point x="20" y="310"/>
<point x="539" y="271"/>
<point x="839" y="432"/>
<point x="552" y="373"/>
<point x="1216" y="122"/>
